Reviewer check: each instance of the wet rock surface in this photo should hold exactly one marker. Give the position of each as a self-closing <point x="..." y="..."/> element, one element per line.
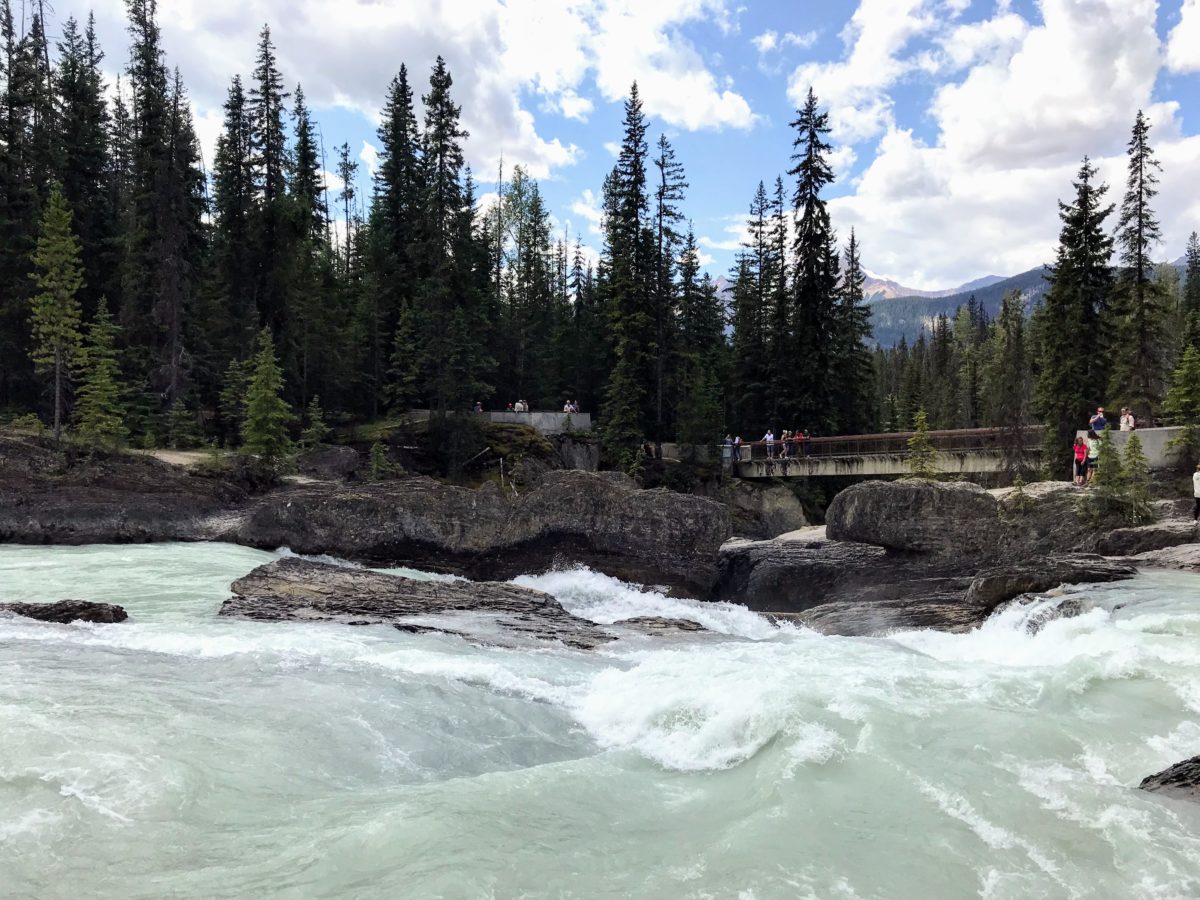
<point x="1181" y="780"/>
<point x="1185" y="557"/>
<point x="570" y="517"/>
<point x="66" y="611"/>
<point x="292" y="589"/>
<point x="333" y="463"/>
<point x="914" y="554"/>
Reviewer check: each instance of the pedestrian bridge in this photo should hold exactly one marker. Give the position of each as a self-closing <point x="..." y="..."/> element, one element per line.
<point x="960" y="452"/>
<point x="963" y="452"/>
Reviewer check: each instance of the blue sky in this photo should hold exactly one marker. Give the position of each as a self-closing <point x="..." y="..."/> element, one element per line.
<point x="957" y="124"/>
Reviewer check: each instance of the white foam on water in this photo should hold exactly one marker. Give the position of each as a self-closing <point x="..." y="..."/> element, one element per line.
<point x="607" y="600"/>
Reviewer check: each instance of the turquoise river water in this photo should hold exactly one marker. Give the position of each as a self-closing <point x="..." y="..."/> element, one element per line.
<point x="182" y="755"/>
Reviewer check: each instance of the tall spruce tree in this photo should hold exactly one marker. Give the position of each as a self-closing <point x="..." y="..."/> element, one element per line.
<point x="629" y="254"/>
<point x="1070" y="325"/>
<point x="264" y="431"/>
<point x="851" y="371"/>
<point x="232" y="266"/>
<point x="58" y="274"/>
<point x="83" y="154"/>
<point x="1191" y="292"/>
<point x="1138" y="355"/>
<point x="269" y="167"/>
<point x="815" y="274"/>
<point x="670" y="184"/>
<point x="1007" y="384"/>
<point x="99" y="411"/>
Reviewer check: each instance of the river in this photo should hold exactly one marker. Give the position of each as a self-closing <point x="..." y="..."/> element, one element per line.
<point x="179" y="754"/>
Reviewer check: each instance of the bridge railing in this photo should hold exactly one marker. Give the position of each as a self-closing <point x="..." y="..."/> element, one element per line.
<point x="892" y="443"/>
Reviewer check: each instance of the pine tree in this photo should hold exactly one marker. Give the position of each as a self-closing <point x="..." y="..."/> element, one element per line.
<point x="83" y="154"/>
<point x="1137" y="481"/>
<point x="1138" y="358"/>
<point x="630" y="279"/>
<point x="815" y="275"/>
<point x="269" y="165"/>
<point x="264" y="431"/>
<point x="315" y="430"/>
<point x="232" y="262"/>
<point x="1182" y="407"/>
<point x="182" y="433"/>
<point x="851" y="370"/>
<point x="58" y="274"/>
<point x="922" y="457"/>
<point x="307" y="182"/>
<point x="232" y="399"/>
<point x="1007" y="382"/>
<point x="1191" y="292"/>
<point x="99" y="412"/>
<point x="670" y="185"/>
<point x="1070" y="323"/>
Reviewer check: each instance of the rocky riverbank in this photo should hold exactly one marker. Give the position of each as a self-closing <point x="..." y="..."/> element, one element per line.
<point x="569" y="517"/>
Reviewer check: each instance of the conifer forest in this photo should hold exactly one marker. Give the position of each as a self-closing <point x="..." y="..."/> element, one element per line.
<point x="147" y="298"/>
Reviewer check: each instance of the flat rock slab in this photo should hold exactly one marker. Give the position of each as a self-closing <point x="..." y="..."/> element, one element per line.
<point x="66" y="611"/>
<point x="1181" y="780"/>
<point x="300" y="590"/>
<point x="1185" y="557"/>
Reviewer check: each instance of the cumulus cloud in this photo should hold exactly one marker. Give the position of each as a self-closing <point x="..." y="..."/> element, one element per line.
<point x="855" y="89"/>
<point x="498" y="51"/>
<point x="1183" y="44"/>
<point x="1030" y="100"/>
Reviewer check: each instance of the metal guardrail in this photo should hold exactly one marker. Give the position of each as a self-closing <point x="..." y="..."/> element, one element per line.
<point x="857" y="445"/>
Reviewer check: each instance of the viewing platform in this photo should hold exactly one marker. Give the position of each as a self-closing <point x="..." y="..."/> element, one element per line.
<point x="545" y="422"/>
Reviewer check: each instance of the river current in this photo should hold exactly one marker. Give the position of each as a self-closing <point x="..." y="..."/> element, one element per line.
<point x="179" y="754"/>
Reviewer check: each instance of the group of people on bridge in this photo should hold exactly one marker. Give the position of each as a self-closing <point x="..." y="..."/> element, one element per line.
<point x="1086" y="451"/>
<point x="789" y="445"/>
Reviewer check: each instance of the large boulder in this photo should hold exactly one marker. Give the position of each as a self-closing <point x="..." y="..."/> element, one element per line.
<point x="292" y="589"/>
<point x="577" y="452"/>
<point x="1181" y="780"/>
<point x="569" y="517"/>
<point x="66" y="611"/>
<point x="952" y="519"/>
<point x="962" y="520"/>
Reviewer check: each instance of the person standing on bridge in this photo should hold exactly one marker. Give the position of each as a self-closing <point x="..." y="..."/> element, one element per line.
<point x="769" y="440"/>
<point x="1128" y="422"/>
<point x="1196" y="494"/>
<point x="1097" y="422"/>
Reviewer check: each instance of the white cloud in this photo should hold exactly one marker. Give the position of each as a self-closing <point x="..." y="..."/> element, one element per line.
<point x="369" y="155"/>
<point x="855" y="88"/>
<point x="1032" y="99"/>
<point x="1183" y="45"/>
<point x="587" y="207"/>
<point x="613" y="147"/>
<point x="498" y="51"/>
<point x="766" y="42"/>
<point x="803" y="41"/>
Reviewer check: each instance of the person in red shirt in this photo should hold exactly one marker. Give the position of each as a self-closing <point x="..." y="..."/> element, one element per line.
<point x="1081" y="454"/>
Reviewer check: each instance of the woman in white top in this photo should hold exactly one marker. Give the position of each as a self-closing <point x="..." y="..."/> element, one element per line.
<point x="1127" y="420"/>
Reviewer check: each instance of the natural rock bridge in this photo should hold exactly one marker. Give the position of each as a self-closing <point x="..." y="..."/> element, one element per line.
<point x="959" y="452"/>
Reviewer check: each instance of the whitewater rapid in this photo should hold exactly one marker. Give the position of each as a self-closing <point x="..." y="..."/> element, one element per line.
<point x="179" y="754"/>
